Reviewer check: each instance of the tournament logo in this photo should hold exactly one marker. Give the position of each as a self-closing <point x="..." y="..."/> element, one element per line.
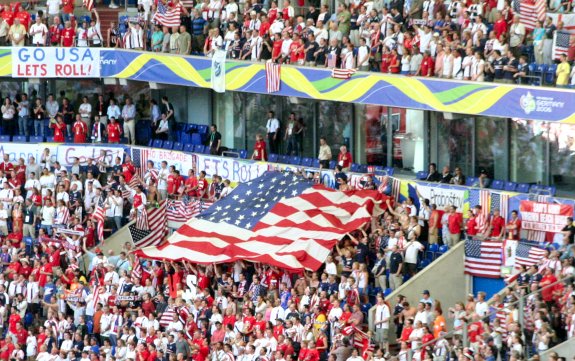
<point x="527" y="102"/>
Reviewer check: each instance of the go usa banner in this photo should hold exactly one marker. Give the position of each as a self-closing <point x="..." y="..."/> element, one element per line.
<point x="544" y="217"/>
<point x="29" y="62"/>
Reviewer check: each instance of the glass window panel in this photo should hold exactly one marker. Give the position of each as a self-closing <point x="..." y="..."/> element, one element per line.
<point x="528" y="149"/>
<point x="255" y="109"/>
<point x="375" y="140"/>
<point x="408" y="139"/>
<point x="454" y="142"/>
<point x="562" y="144"/>
<point x="335" y="124"/>
<point x="490" y="147"/>
<point x="304" y="109"/>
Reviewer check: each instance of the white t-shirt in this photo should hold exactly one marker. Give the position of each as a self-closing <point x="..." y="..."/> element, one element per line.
<point x="39" y="31"/>
<point x="382" y="313"/>
<point x="53" y="7"/>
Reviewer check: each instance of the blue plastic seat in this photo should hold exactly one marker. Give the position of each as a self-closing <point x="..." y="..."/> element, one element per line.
<point x="470" y="181"/>
<point x="389" y="171"/>
<point x="421" y="175"/>
<point x="201" y="148"/>
<point x="433" y="247"/>
<point x="168" y="144"/>
<point x="444" y="248"/>
<point x="362" y="168"/>
<point x="178" y="146"/>
<point x="196" y="139"/>
<point x="523" y="188"/>
<point x="423" y="263"/>
<point x="531" y="68"/>
<point x="550" y="74"/>
<point x="354" y="167"/>
<point x="284" y="159"/>
<point x="189" y="148"/>
<point x="5" y="138"/>
<point x="497" y="184"/>
<point x="306" y="162"/>
<point x="157" y="143"/>
<point x="50" y="139"/>
<point x="387" y="292"/>
<point x="510" y="186"/>
<point x="68" y="140"/>
<point x="36" y="139"/>
<point x="243" y="154"/>
<point x="202" y="129"/>
<point x="315" y="163"/>
<point x="332" y="164"/>
<point x="273" y="158"/>
<point x="150" y="143"/>
<point x="295" y="160"/>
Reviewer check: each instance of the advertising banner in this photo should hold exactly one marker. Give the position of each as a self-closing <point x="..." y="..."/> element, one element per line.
<point x="65" y="153"/>
<point x="183" y="162"/>
<point x="443" y="196"/>
<point x="544" y="217"/>
<point x="29" y="62"/>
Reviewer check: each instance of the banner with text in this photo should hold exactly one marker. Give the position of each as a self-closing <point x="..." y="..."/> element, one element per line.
<point x="544" y="217"/>
<point x="236" y="170"/>
<point x="29" y="62"/>
<point x="443" y="196"/>
<point x="183" y="162"/>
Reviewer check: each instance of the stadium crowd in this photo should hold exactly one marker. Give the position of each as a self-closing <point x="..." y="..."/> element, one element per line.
<point x="63" y="299"/>
<point x="467" y="40"/>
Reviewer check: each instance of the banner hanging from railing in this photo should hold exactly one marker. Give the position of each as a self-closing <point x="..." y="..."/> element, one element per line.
<point x="544" y="217"/>
<point x="28" y="62"/>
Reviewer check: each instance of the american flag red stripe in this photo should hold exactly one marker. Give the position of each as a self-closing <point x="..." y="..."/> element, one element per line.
<point x="483" y="258"/>
<point x="395" y="188"/>
<point x="504" y="206"/>
<point x="168" y="316"/>
<point x="89" y="4"/>
<point x="63" y="216"/>
<point x="99" y="218"/>
<point x="142" y="220"/>
<point x="342" y="73"/>
<point x="531" y="11"/>
<point x="273" y="77"/>
<point x="362" y="341"/>
<point x="297" y="233"/>
<point x="528" y="254"/>
<point x="137" y="270"/>
<point x="181" y="211"/>
<point x="483" y="218"/>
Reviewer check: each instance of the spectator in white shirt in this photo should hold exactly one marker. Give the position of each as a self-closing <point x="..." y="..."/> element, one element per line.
<point x="38" y="32"/>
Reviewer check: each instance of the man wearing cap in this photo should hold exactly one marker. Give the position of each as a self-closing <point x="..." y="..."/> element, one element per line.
<point x="426" y="298"/>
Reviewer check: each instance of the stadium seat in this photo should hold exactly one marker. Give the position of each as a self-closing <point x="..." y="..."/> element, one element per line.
<point x="68" y="140"/>
<point x="510" y="186"/>
<point x="273" y="158"/>
<point x="387" y="292"/>
<point x="189" y="148"/>
<point x="498" y="184"/>
<point x="523" y="188"/>
<point x="157" y="143"/>
<point x="243" y="154"/>
<point x="444" y="248"/>
<point x="295" y="160"/>
<point x="432" y="250"/>
<point x="202" y="129"/>
<point x="550" y="74"/>
<point x="168" y="144"/>
<point x="354" y="167"/>
<point x="423" y="263"/>
<point x="315" y="163"/>
<point x="421" y="175"/>
<point x="470" y="181"/>
<point x="389" y="171"/>
<point x="196" y="139"/>
<point x="50" y="139"/>
<point x="306" y="162"/>
<point x="531" y="68"/>
<point x="178" y="146"/>
<point x="150" y="143"/>
<point x="19" y="139"/>
<point x="540" y="72"/>
<point x="5" y="138"/>
<point x="36" y="139"/>
<point x="332" y="164"/>
<point x="200" y="148"/>
<point x="284" y="159"/>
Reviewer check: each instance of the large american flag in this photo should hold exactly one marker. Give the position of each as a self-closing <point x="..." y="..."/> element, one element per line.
<point x="363" y="342"/>
<point x="531" y="11"/>
<point x="279" y="219"/>
<point x="561" y="41"/>
<point x="89" y="4"/>
<point x="140" y="160"/>
<point x="273" y="77"/>
<point x="156" y="230"/>
<point x="500" y="201"/>
<point x="168" y="16"/>
<point x="388" y="185"/>
<point x="181" y="211"/>
<point x="528" y="254"/>
<point x="99" y="217"/>
<point x="483" y="258"/>
<point x="483" y="218"/>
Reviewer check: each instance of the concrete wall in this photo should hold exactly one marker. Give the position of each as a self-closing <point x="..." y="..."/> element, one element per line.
<point x="565" y="349"/>
<point x="445" y="280"/>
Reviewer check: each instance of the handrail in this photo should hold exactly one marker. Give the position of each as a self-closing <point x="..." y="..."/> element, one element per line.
<point x="520" y="301"/>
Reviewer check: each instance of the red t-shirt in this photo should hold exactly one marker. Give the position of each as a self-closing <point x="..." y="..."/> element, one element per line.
<point x="500" y="27"/>
<point x="344" y="159"/>
<point x="148" y="307"/>
<point x="454" y="223"/>
<point x="517" y="231"/>
<point x="264" y="28"/>
<point x="5" y="355"/>
<point x="427" y="66"/>
<point x="202" y="188"/>
<point x="42" y="277"/>
<point x="59" y="129"/>
<point x="79" y="132"/>
<point x="260" y="150"/>
<point x="294" y="51"/>
<point x="128" y="171"/>
<point x="55" y="34"/>
<point x="471" y="227"/>
<point x="21" y="336"/>
<point x="277" y="48"/>
<point x="12" y="321"/>
<point x="68" y="37"/>
<point x="113" y="132"/>
<point x="192" y="182"/>
<point x="497" y="224"/>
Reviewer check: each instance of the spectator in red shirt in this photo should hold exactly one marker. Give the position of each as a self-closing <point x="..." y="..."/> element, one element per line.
<point x="128" y="169"/>
<point x="68" y="35"/>
<point x="497" y="225"/>
<point x="454" y="224"/>
<point x="114" y="131"/>
<point x="344" y="158"/>
<point x="427" y="66"/>
<point x="191" y="184"/>
<point x="470" y="225"/>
